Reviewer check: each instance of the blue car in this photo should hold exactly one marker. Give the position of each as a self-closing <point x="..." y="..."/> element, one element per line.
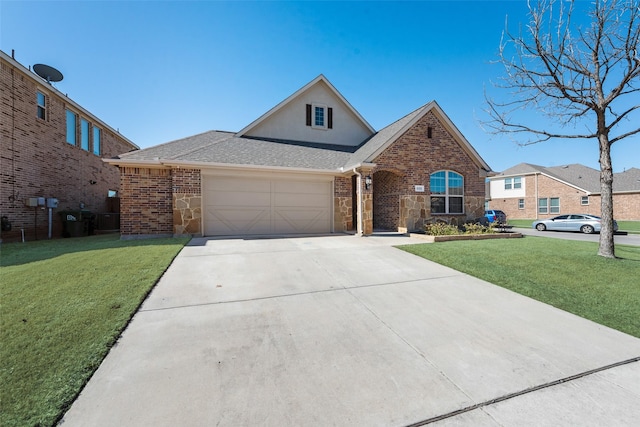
<point x="497" y="216"/>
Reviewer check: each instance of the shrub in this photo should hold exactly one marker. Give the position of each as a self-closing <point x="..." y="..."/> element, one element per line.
<point x="477" y="228"/>
<point x="441" y="229"/>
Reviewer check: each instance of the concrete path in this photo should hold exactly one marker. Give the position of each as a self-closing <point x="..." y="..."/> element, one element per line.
<point x="349" y="331"/>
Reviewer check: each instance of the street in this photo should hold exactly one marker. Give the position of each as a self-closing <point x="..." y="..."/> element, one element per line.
<point x="630" y="239"/>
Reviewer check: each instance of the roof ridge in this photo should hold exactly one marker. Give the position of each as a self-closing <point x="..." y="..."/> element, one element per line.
<point x="176" y="140"/>
<point x="310" y="144"/>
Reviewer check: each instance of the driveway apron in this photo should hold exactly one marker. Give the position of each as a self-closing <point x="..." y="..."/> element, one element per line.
<point x="349" y="331"/>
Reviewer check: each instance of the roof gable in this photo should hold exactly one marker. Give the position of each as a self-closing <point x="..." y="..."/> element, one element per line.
<point x="390" y="134"/>
<point x="579" y="176"/>
<point x="287" y="120"/>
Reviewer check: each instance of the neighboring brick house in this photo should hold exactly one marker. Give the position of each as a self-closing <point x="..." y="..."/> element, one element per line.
<point x="528" y="191"/>
<point x="51" y="148"/>
<point x="311" y="164"/>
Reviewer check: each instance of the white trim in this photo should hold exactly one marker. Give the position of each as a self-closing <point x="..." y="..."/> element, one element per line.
<point x="167" y="164"/>
<point x="325" y="116"/>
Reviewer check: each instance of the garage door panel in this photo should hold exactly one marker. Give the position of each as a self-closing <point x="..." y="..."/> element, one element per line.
<point x="241" y="199"/>
<point x="301" y="187"/>
<point x="242" y="206"/>
<point x="238" y="185"/>
<point x="295" y="200"/>
<point x="238" y="221"/>
<point x="302" y="220"/>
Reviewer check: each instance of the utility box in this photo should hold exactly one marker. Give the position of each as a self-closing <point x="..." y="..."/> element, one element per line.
<point x="31" y="202"/>
<point x="40" y="201"/>
<point x="52" y="202"/>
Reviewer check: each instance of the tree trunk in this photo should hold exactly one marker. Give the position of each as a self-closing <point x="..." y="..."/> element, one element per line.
<point x="607" y="248"/>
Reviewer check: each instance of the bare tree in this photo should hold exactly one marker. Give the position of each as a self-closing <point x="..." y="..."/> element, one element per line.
<point x="585" y="80"/>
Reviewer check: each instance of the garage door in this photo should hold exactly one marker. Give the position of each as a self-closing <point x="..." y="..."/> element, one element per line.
<point x="243" y="206"/>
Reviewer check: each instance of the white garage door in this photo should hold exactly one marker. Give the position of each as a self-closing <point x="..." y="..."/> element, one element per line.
<point x="267" y="205"/>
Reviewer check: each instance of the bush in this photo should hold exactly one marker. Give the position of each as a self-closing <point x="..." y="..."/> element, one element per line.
<point x="477" y="228"/>
<point x="441" y="229"/>
<point x="444" y="229"/>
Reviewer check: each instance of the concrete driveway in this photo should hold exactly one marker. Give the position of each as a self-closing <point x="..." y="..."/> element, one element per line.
<point x="348" y="331"/>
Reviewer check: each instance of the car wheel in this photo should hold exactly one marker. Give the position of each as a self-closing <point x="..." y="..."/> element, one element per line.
<point x="541" y="227"/>
<point x="587" y="229"/>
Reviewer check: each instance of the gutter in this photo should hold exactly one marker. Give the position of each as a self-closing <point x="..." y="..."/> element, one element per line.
<point x="162" y="163"/>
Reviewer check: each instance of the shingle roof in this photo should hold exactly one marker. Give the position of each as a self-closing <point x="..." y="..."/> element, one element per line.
<point x="366" y="150"/>
<point x="219" y="147"/>
<point x="580" y="176"/>
<point x="226" y="148"/>
<point x="628" y="180"/>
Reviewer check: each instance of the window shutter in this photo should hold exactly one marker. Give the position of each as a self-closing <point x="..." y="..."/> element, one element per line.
<point x="308" y="114"/>
<point x="330" y="118"/>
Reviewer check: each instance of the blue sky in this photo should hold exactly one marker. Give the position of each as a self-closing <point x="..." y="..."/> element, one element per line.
<point x="164" y="70"/>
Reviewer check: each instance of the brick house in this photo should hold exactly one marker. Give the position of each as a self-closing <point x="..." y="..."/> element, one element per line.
<point x="527" y="191"/>
<point x="311" y="164"/>
<point x="51" y="148"/>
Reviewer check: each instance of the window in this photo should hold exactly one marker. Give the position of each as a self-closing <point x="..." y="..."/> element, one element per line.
<point x="42" y="105"/>
<point x="543" y="206"/>
<point x="96" y="140"/>
<point x="447" y="192"/>
<point x="319" y="116"/>
<point x="112" y="193"/>
<point x="513" y="183"/>
<point x="517" y="182"/>
<point x="584" y="200"/>
<point x="71" y="127"/>
<point x="550" y="205"/>
<point x="520" y="203"/>
<point x="84" y="134"/>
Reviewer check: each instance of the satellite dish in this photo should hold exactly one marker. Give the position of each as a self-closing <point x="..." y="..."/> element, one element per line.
<point x="48" y="73"/>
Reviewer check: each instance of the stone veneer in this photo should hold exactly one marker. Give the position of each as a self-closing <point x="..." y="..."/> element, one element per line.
<point x="342" y="204"/>
<point x="187" y="201"/>
<point x="187" y="214"/>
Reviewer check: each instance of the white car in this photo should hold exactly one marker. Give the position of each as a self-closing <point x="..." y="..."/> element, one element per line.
<point x="573" y="222"/>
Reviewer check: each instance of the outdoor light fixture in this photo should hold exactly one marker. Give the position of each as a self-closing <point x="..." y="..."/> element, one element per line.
<point x="367" y="182"/>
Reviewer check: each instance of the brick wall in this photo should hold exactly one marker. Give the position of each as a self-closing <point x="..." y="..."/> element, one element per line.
<point x="625" y="206"/>
<point x="386" y="200"/>
<point x="36" y="160"/>
<point x="410" y="161"/>
<point x="146" y="202"/>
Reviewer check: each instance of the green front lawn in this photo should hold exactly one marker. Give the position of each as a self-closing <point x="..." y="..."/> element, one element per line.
<point x="563" y="273"/>
<point x="63" y="305"/>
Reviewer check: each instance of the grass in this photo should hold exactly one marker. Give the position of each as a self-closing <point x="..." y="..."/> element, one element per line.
<point x="628" y="226"/>
<point x="563" y="273"/>
<point x="63" y="305"/>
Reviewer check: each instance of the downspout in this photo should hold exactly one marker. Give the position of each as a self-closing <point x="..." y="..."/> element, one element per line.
<point x="359" y="226"/>
<point x="535" y="202"/>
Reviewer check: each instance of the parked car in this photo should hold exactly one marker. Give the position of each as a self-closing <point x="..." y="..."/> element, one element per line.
<point x="574" y="222"/>
<point x="496" y="216"/>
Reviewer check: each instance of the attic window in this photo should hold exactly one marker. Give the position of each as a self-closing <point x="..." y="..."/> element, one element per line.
<point x="319" y="116"/>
